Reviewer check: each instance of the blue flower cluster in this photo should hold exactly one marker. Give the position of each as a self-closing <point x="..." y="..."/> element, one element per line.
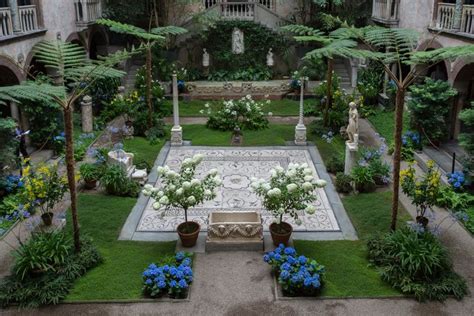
<point x="173" y="279"/>
<point x="298" y="275"/>
<point x="329" y="137"/>
<point x="456" y="179"/>
<point x="295" y="84"/>
<point x="181" y="85"/>
<point x="11" y="183"/>
<point x="411" y="139"/>
<point x="61" y="138"/>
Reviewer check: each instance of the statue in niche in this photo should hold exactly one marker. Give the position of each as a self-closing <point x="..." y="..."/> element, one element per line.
<point x="270" y="60"/>
<point x="353" y="127"/>
<point x="205" y="58"/>
<point x="238" y="42"/>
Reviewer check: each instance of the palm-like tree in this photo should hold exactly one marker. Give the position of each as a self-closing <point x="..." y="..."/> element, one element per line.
<point x="147" y="40"/>
<point x="72" y="73"/>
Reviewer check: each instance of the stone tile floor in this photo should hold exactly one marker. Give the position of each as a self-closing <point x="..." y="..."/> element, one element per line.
<point x="237" y="166"/>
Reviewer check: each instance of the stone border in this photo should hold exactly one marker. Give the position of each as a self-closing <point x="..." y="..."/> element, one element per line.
<point x="346" y="232"/>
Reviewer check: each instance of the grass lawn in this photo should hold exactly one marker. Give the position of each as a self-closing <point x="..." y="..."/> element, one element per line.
<point x="143" y="150"/>
<point x="284" y="107"/>
<point x="328" y="150"/>
<point x="119" y="277"/>
<point x="384" y="123"/>
<point x="347" y="271"/>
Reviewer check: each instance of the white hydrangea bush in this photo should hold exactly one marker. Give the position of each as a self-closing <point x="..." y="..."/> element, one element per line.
<point x="288" y="191"/>
<point x="182" y="189"/>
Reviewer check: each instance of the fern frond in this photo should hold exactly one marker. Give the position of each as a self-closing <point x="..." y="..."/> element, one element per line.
<point x="59" y="55"/>
<point x="169" y="30"/>
<point x="302" y="30"/>
<point x="32" y="91"/>
<point x="437" y="55"/>
<point x="132" y="30"/>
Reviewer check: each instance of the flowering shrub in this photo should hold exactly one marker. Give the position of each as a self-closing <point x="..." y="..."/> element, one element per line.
<point x="59" y="143"/>
<point x="371" y="159"/>
<point x="298" y="275"/>
<point x="173" y="279"/>
<point x="288" y="191"/>
<point x="11" y="183"/>
<point x="244" y="113"/>
<point x="456" y="179"/>
<point x="181" y="189"/>
<point x="411" y="141"/>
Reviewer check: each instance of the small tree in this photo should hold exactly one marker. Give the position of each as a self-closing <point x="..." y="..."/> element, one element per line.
<point x="72" y="73"/>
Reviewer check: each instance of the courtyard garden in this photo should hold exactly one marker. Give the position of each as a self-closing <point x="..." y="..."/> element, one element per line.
<point x="151" y="191"/>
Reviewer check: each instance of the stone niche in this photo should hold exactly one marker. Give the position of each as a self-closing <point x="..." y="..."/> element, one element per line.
<point x="229" y="231"/>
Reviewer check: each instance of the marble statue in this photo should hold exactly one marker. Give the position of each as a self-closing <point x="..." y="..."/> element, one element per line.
<point x="238" y="42"/>
<point x="353" y="127"/>
<point x="270" y="60"/>
<point x="205" y="58"/>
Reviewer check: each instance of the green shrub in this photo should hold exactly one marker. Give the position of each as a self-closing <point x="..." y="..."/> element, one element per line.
<point x="91" y="171"/>
<point x="51" y="286"/>
<point x="9" y="144"/>
<point x="335" y="164"/>
<point x="116" y="182"/>
<point x="363" y="179"/>
<point x="416" y="263"/>
<point x="343" y="183"/>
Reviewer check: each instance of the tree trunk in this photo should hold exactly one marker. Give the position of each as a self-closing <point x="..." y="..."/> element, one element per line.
<point x="399" y="107"/>
<point x="148" y="87"/>
<point x="329" y="92"/>
<point x="71" y="174"/>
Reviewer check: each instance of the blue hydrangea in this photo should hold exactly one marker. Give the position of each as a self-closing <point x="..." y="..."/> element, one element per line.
<point x="290" y="251"/>
<point x="173" y="283"/>
<point x="180" y="256"/>
<point x="284" y="275"/>
<point x="182" y="284"/>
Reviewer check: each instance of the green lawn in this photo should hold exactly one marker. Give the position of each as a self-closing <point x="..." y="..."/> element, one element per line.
<point x="384" y="123"/>
<point x="328" y="150"/>
<point x="119" y="277"/>
<point x="348" y="273"/>
<point x="143" y="150"/>
<point x="284" y="107"/>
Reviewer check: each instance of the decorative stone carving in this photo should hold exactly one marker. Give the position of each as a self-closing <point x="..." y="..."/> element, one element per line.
<point x="205" y="58"/>
<point x="353" y="127"/>
<point x="140" y="176"/>
<point x="238" y="46"/>
<point x="244" y="88"/>
<point x="123" y="159"/>
<point x="176" y="136"/>
<point x="270" y="60"/>
<point x="234" y="231"/>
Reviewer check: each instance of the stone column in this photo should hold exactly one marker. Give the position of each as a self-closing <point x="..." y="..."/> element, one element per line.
<point x="87" y="116"/>
<point x="351" y="155"/>
<point x="13" y="4"/>
<point x="300" y="131"/>
<point x="458" y="15"/>
<point x="177" y="130"/>
<point x="15" y="111"/>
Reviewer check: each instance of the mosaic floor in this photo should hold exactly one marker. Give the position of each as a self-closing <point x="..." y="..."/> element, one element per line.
<point x="237" y="167"/>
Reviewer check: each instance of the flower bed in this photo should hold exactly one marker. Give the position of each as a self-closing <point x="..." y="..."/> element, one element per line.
<point x="171" y="279"/>
<point x="297" y="275"/>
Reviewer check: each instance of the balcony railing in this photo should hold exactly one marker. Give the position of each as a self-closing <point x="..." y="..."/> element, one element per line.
<point x="87" y="11"/>
<point x="238" y="11"/>
<point x="270" y="4"/>
<point x="448" y="21"/>
<point x="385" y="11"/>
<point x="28" y="18"/>
<point x="6" y="26"/>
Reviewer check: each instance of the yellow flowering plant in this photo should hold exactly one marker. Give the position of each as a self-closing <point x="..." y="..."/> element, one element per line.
<point x="424" y="191"/>
<point x="43" y="187"/>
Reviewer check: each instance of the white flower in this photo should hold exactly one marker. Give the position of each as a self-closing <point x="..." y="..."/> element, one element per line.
<point x="161" y="170"/>
<point x="308" y="172"/>
<point x="304" y="165"/>
<point x="253" y="179"/>
<point x="207" y="193"/>
<point x="291" y="173"/>
<point x="310" y="209"/>
<point x="164" y="200"/>
<point x="187" y="162"/>
<point x="171" y="187"/>
<point x="291" y="187"/>
<point x="217" y="181"/>
<point x="206" y="105"/>
<point x="274" y="192"/>
<point x="172" y="174"/>
<point x="202" y="111"/>
<point x="320" y="183"/>
<point x="291" y="166"/>
<point x="146" y="193"/>
<point x="270" y="113"/>
<point x="213" y="172"/>
<point x="266" y="187"/>
<point x="195" y="182"/>
<point x="148" y="187"/>
<point x="273" y="173"/>
<point x="191" y="200"/>
<point x="279" y="169"/>
<point x="249" y="97"/>
<point x="156" y="205"/>
<point x="308" y="178"/>
<point x="160" y="194"/>
<point x="298" y="222"/>
<point x="180" y="191"/>
<point x="186" y="185"/>
<point x="307" y="186"/>
<point x="198" y="158"/>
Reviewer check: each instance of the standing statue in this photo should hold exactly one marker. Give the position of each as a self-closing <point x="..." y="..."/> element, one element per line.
<point x="238" y="42"/>
<point x="205" y="58"/>
<point x="270" y="60"/>
<point x="353" y="127"/>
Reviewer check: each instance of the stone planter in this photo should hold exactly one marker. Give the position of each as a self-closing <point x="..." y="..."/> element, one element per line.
<point x="234" y="231"/>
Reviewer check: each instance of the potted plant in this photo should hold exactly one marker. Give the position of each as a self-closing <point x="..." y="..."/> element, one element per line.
<point x="183" y="190"/>
<point x="424" y="192"/>
<point x="44" y="188"/>
<point x="91" y="173"/>
<point x="286" y="193"/>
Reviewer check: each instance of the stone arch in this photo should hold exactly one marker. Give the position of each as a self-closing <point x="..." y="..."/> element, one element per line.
<point x="10" y="71"/>
<point x="440" y="70"/>
<point x="98" y="42"/>
<point x="76" y="39"/>
<point x="463" y="81"/>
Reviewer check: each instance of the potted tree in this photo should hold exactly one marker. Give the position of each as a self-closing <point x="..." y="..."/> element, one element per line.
<point x="183" y="190"/>
<point x="91" y="173"/>
<point x="287" y="193"/>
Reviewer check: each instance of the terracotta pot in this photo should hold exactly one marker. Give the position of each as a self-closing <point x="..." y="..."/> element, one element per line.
<point x="90" y="185"/>
<point x="422" y="220"/>
<point x="278" y="236"/>
<point x="47" y="218"/>
<point x="188" y="233"/>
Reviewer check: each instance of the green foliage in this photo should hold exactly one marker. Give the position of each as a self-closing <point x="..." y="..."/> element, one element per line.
<point x="343" y="183"/>
<point x="90" y="171"/>
<point x="258" y="40"/>
<point x="467" y="138"/>
<point x="335" y="164"/>
<point x="417" y="264"/>
<point x="429" y="108"/>
<point x="258" y="73"/>
<point x="51" y="286"/>
<point x="363" y="179"/>
<point x="126" y="12"/>
<point x="369" y="84"/>
<point x="9" y="143"/>
<point x="116" y="182"/>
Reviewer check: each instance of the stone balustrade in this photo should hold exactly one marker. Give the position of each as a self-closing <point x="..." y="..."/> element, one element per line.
<point x="6" y="26"/>
<point x="385" y="11"/>
<point x="238" y="11"/>
<point x="27" y="21"/>
<point x="28" y="18"/>
<point x="269" y="4"/>
<point x="452" y="19"/>
<point x="87" y="11"/>
<point x="446" y="16"/>
<point x="467" y="22"/>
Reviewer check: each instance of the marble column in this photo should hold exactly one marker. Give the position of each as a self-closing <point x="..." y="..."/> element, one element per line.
<point x="458" y="15"/>
<point x="177" y="130"/>
<point x="300" y="130"/>
<point x="13" y="4"/>
<point x="87" y="116"/>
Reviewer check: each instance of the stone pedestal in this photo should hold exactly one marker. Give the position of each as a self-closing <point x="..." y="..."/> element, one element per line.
<point x="351" y="157"/>
<point x="235" y="231"/>
<point x="300" y="135"/>
<point x="176" y="136"/>
<point x="87" y="116"/>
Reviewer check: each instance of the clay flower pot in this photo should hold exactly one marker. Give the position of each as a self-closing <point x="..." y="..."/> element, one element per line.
<point x="47" y="218"/>
<point x="281" y="233"/>
<point x="188" y="233"/>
